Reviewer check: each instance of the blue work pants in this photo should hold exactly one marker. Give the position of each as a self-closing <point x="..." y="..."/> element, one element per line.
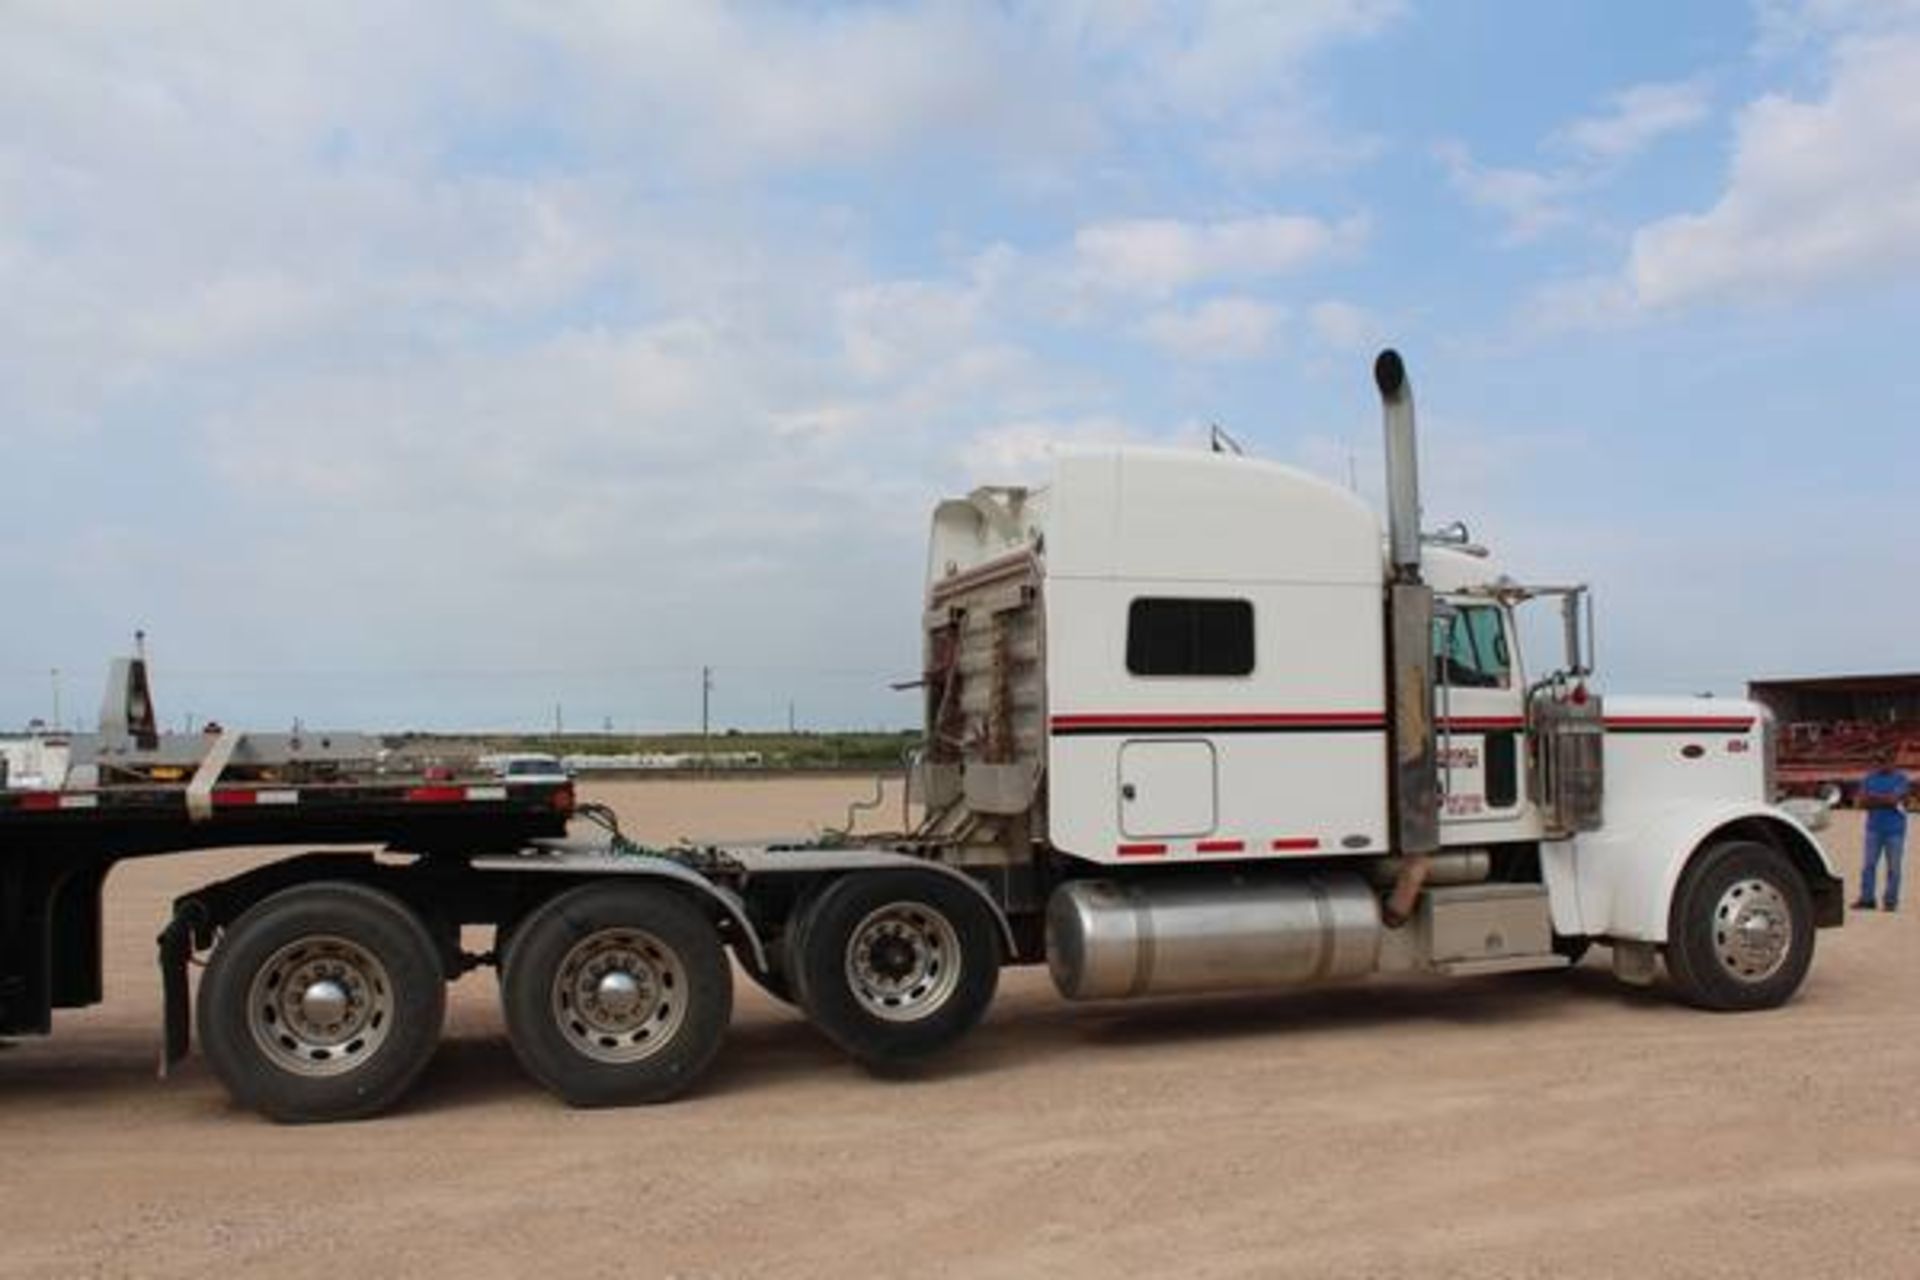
<point x="1882" y="844"/>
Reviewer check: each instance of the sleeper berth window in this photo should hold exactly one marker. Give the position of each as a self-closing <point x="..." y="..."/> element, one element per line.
<point x="1174" y="637"/>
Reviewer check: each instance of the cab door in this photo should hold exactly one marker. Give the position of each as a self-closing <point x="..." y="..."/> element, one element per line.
<point x="1479" y="709"/>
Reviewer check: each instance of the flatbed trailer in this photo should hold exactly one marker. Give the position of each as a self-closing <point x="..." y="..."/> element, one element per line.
<point x="1192" y="725"/>
<point x="58" y="847"/>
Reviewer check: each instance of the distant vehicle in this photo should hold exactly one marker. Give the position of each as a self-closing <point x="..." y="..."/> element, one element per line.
<point x="1835" y="730"/>
<point x="531" y="766"/>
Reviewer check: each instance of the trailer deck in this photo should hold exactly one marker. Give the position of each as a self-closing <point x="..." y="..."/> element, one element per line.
<point x="57" y="848"/>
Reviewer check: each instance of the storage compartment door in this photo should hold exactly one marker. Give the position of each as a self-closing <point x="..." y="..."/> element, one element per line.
<point x="1167" y="789"/>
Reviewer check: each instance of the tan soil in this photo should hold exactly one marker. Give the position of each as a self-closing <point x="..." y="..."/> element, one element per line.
<point x="1555" y="1125"/>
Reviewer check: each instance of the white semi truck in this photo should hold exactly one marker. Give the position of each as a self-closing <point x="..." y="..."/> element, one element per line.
<point x="1193" y="723"/>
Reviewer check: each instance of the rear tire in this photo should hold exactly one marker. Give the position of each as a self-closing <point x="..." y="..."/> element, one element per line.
<point x="1740" y="933"/>
<point x="617" y="994"/>
<point x="322" y="1002"/>
<point x="895" y="966"/>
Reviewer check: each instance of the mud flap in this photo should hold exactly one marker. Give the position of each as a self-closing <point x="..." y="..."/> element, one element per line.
<point x="176" y="945"/>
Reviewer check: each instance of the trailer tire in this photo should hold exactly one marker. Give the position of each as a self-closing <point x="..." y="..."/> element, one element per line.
<point x="504" y="935"/>
<point x="617" y="993"/>
<point x="1740" y="934"/>
<point x="895" y="966"/>
<point x="322" y="1002"/>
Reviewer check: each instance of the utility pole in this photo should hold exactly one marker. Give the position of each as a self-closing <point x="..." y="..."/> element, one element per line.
<point x="789" y="717"/>
<point x="559" y="725"/>
<point x="706" y="723"/>
<point x="55" y="676"/>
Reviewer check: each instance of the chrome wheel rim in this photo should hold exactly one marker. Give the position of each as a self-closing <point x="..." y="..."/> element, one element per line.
<point x="620" y="995"/>
<point x="320" y="1006"/>
<point x="1752" y="930"/>
<point x="903" y="962"/>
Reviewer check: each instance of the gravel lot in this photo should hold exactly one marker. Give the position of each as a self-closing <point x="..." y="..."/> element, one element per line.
<point x="1542" y="1125"/>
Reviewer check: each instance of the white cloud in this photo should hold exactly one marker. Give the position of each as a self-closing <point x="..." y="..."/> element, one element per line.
<point x="1785" y="25"/>
<point x="1638" y="116"/>
<point x="1283" y="138"/>
<point x="1343" y="325"/>
<point x="722" y="86"/>
<point x="1022" y="451"/>
<point x="1821" y="192"/>
<point x="1239" y="66"/>
<point x="1531" y="201"/>
<point x="1210" y="57"/>
<point x="1218" y="329"/>
<point x="889" y="326"/>
<point x="1580" y="302"/>
<point x="1157" y="257"/>
<point x="451" y="305"/>
<point x="1534" y="201"/>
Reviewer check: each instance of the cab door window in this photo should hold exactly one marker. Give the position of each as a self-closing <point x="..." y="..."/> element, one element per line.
<point x="1470" y="647"/>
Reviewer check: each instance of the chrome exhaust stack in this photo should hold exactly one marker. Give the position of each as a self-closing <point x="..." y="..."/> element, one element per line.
<point x="1403" y="465"/>
<point x="1414" y="784"/>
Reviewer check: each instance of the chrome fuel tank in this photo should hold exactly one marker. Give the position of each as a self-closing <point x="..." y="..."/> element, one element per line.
<point x="1109" y="939"/>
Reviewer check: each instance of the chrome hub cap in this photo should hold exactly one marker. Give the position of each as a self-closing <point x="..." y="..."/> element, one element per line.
<point x="1752" y="930"/>
<point x="325" y="1001"/>
<point x="903" y="962"/>
<point x="320" y="1006"/>
<point x="620" y="995"/>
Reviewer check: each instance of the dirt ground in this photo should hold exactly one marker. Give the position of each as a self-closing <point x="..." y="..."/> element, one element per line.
<point x="1542" y="1125"/>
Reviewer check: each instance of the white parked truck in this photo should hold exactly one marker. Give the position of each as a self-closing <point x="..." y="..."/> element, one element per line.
<point x="1194" y="723"/>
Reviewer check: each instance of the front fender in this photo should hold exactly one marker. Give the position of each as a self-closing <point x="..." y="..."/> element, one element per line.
<point x="1627" y="876"/>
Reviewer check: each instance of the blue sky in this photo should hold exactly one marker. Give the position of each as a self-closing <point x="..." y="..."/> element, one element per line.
<point x="433" y="366"/>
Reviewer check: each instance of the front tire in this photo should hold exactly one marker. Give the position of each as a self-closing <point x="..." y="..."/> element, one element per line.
<point x="322" y="1002"/>
<point x="895" y="966"/>
<point x="1740" y="933"/>
<point x="617" y="994"/>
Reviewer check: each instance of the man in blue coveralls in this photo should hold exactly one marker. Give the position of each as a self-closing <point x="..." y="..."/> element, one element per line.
<point x="1883" y="794"/>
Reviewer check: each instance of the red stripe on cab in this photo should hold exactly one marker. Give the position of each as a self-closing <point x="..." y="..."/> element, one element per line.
<point x="1141" y="850"/>
<point x="1221" y="846"/>
<point x="1178" y="719"/>
<point x="1293" y="844"/>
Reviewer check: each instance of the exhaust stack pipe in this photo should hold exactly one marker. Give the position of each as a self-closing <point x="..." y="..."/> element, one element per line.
<point x="1403" y="465"/>
<point x="1415" y="782"/>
